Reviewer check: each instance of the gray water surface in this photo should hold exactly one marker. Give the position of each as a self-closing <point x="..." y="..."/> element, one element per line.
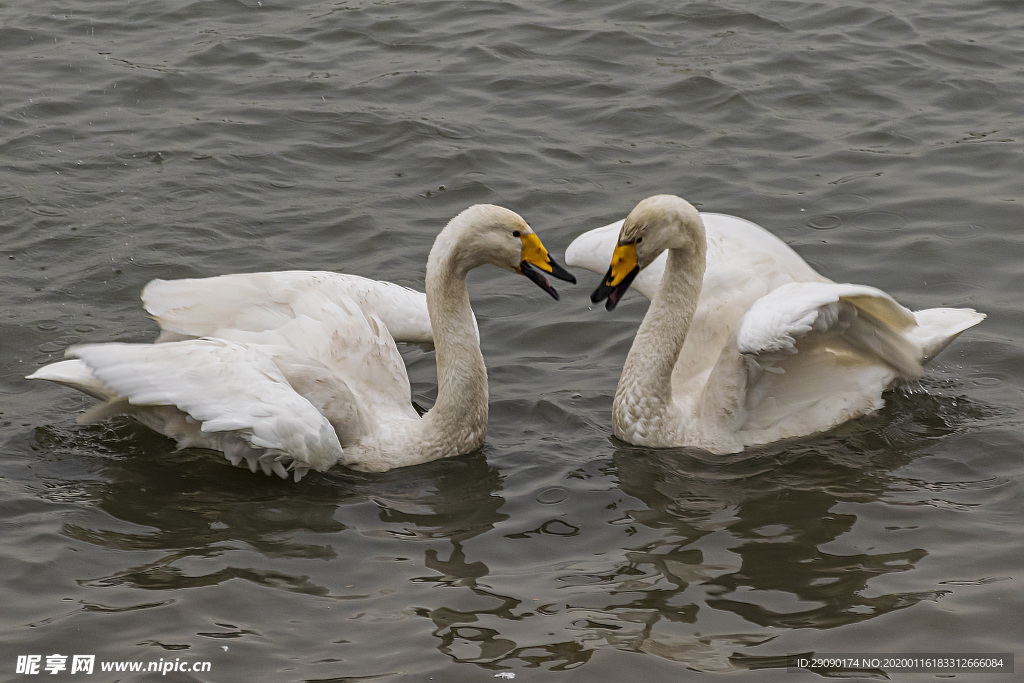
<point x="883" y="141"/>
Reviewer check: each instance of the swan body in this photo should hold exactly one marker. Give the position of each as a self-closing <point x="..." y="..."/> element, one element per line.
<point x="308" y="379"/>
<point x="744" y="343"/>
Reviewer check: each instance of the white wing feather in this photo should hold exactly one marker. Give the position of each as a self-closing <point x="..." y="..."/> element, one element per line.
<point x="222" y="385"/>
<point x="75" y="374"/>
<point x="342" y="341"/>
<point x="254" y="302"/>
<point x="864" y="317"/>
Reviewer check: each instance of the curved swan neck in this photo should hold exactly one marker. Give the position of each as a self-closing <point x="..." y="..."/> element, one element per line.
<point x="461" y="404"/>
<point x="647" y="373"/>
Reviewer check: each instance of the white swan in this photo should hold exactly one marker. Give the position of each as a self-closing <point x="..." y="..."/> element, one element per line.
<point x="744" y="343"/>
<point x="324" y="384"/>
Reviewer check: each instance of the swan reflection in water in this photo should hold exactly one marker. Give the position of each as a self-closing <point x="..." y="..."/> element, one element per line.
<point x="710" y="561"/>
<point x="717" y="555"/>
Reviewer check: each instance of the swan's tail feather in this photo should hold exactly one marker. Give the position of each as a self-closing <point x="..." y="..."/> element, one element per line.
<point x="75" y="374"/>
<point x="937" y="327"/>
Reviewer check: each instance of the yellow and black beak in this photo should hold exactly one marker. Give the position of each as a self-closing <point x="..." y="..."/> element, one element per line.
<point x="537" y="260"/>
<point x="624" y="268"/>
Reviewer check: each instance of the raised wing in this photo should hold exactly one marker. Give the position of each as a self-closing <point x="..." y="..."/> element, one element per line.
<point x="338" y="342"/>
<point x="863" y="318"/>
<point x="260" y="301"/>
<point x="812" y="355"/>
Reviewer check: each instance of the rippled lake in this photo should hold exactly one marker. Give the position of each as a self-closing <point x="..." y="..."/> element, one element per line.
<point x="883" y="141"/>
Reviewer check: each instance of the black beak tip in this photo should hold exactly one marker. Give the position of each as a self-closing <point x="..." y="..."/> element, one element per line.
<point x="538" y="279"/>
<point x="560" y="272"/>
<point x="612" y="294"/>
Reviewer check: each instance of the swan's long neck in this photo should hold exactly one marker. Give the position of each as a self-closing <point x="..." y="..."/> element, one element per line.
<point x="459" y="415"/>
<point x="644" y="393"/>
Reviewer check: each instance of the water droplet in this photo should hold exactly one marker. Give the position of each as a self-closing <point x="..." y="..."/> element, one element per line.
<point x="825" y="222"/>
<point x="552" y="495"/>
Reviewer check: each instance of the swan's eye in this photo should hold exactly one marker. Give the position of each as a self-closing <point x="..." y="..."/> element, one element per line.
<point x="516" y="233"/>
<point x="638" y="240"/>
